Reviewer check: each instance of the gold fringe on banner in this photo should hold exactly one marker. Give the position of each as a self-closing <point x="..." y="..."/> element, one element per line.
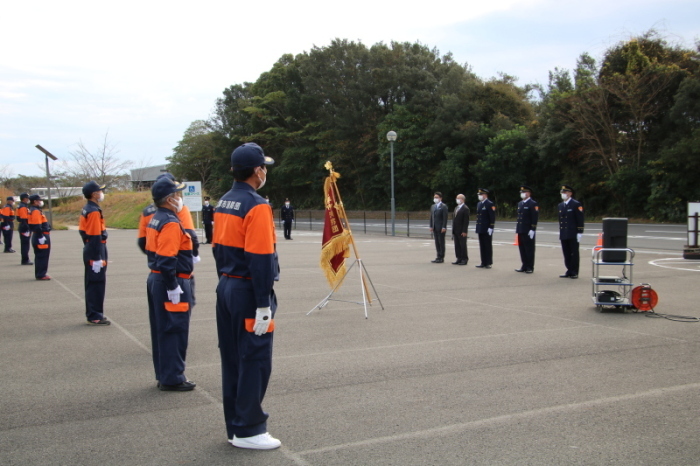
<point x="337" y="243"/>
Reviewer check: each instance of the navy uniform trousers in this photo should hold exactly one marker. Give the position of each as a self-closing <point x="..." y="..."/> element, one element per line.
<point x="169" y="330"/>
<point x="486" y="248"/>
<point x="24" y="242"/>
<point x="41" y="255"/>
<point x="527" y="251"/>
<point x="246" y="358"/>
<point x="7" y="235"/>
<point x="95" y="285"/>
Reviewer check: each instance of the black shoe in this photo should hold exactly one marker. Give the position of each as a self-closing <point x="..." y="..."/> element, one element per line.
<point x="10" y="250"/>
<point x="102" y="321"/>
<point x="520" y="270"/>
<point x="457" y="263"/>
<point x="437" y="261"/>
<point x="529" y="271"/>
<point x="462" y="263"/>
<point x="566" y="275"/>
<point x="185" y="386"/>
<point x="573" y="276"/>
<point x="27" y="263"/>
<point x="487" y="266"/>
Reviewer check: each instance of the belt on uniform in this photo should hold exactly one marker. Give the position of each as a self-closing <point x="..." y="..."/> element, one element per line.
<point x="235" y="276"/>
<point x="181" y="275"/>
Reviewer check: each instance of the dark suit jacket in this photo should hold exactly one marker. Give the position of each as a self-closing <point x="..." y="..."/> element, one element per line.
<point x="438" y="217"/>
<point x="485" y="216"/>
<point x="460" y="223"/>
<point x="528" y="214"/>
<point x="570" y="219"/>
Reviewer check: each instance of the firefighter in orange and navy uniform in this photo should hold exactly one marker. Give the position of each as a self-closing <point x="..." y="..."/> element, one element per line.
<point x="171" y="260"/>
<point x="7" y="214"/>
<point x="41" y="239"/>
<point x="94" y="235"/>
<point x="246" y="262"/>
<point x="23" y="228"/>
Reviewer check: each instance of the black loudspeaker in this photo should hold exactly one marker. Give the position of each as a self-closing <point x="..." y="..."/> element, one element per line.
<point x="614" y="236"/>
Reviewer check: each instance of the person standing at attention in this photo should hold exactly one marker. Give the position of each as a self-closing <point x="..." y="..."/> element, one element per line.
<point x="570" y="230"/>
<point x="287" y="215"/>
<point x="485" y="221"/>
<point x="438" y="226"/>
<point x="460" y="225"/>
<point x="94" y="235"/>
<point x="528" y="213"/>
<point x="247" y="265"/>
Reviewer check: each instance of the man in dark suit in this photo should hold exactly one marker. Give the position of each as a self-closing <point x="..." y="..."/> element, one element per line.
<point x="460" y="224"/>
<point x="438" y="226"/>
<point x="485" y="221"/>
<point x="528" y="213"/>
<point x="570" y="230"/>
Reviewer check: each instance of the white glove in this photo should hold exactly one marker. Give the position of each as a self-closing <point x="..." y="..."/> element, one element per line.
<point x="42" y="240"/>
<point x="490" y="231"/>
<point x="579" y="236"/>
<point x="174" y="295"/>
<point x="96" y="266"/>
<point x="26" y="233"/>
<point x="6" y="227"/>
<point x="531" y="234"/>
<point x="263" y="317"/>
<point x="196" y="259"/>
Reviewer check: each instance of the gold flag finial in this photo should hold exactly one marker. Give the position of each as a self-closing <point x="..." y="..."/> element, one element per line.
<point x="328" y="166"/>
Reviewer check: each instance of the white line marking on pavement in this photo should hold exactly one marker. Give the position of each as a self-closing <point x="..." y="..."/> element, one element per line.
<point x="677" y="260"/>
<point x="506" y="418"/>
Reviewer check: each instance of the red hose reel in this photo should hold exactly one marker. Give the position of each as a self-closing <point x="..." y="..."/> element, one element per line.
<point x="644" y="298"/>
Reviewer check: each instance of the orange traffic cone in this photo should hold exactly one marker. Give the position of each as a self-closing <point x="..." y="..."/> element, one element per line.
<point x="517" y="243"/>
<point x="599" y="244"/>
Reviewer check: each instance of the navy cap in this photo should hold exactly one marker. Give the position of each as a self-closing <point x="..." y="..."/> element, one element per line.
<point x="23" y="196"/>
<point x="483" y="191"/>
<point x="524" y="188"/>
<point x="91" y="187"/>
<point x="249" y="155"/>
<point x="10" y="198"/>
<point x="565" y="189"/>
<point x="164" y="187"/>
<point x="34" y="197"/>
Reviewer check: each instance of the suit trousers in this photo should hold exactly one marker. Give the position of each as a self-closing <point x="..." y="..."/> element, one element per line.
<point x="288" y="229"/>
<point x="461" y="248"/>
<point x="571" y="255"/>
<point x="24" y="243"/>
<point x="207" y="231"/>
<point x="527" y="251"/>
<point x="486" y="248"/>
<point x="7" y="236"/>
<point x="439" y="243"/>
<point x="41" y="256"/>
<point x="171" y="329"/>
<point x="95" y="284"/>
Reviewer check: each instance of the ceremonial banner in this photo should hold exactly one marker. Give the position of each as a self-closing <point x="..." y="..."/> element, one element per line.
<point x="336" y="240"/>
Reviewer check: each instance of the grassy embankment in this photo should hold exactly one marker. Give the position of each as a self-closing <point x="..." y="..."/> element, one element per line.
<point x="120" y="209"/>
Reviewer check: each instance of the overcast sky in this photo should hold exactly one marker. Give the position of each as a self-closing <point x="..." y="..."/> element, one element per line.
<point x="142" y="71"/>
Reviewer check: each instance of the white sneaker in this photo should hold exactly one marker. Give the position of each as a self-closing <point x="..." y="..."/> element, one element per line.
<point x="257" y="442"/>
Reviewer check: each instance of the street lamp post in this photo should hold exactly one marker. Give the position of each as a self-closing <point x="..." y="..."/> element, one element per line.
<point x="48" y="179"/>
<point x="391" y="136"/>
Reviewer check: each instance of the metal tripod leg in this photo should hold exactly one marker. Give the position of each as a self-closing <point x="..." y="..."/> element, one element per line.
<point x="325" y="300"/>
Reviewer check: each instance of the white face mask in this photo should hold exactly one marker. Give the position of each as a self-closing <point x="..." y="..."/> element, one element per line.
<point x="41" y="203"/>
<point x="523" y="195"/>
<point x="436" y="200"/>
<point x="564" y="196"/>
<point x="286" y="204"/>
<point x="178" y="204"/>
<point x="206" y="203"/>
<point x="102" y="197"/>
<point x="262" y="182"/>
<point x="481" y="197"/>
<point x="459" y="201"/>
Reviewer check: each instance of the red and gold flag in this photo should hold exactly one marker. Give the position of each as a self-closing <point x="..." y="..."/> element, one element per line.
<point x="336" y="239"/>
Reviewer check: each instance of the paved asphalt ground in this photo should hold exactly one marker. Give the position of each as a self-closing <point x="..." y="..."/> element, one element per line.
<point x="462" y="366"/>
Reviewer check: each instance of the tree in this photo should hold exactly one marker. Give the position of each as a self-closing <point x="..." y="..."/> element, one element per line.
<point x="100" y="164"/>
<point x="197" y="153"/>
